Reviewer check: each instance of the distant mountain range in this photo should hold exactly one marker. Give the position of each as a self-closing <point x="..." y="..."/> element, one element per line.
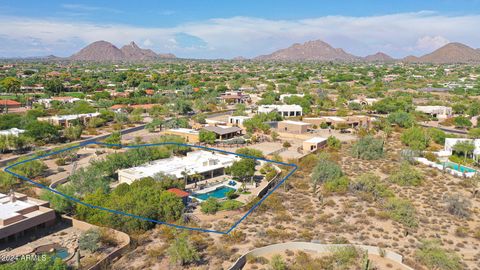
<point x="321" y="51"/>
<point x="317" y="50"/>
<point x="103" y="51"/>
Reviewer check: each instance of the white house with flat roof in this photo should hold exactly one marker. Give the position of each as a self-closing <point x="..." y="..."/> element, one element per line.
<point x="451" y="142"/>
<point x="313" y="144"/>
<point x="19" y="213"/>
<point x="284" y="96"/>
<point x="208" y="164"/>
<point x="237" y="120"/>
<point x="440" y="112"/>
<point x="11" y="132"/>
<point x="283" y="110"/>
<point x="65" y="120"/>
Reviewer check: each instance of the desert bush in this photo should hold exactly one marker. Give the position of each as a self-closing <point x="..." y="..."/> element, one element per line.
<point x="337" y="185"/>
<point x="458" y="205"/>
<point x="334" y="143"/>
<point x="415" y="138"/>
<point x="210" y="206"/>
<point x="401" y="211"/>
<point x="90" y="240"/>
<point x="461" y="231"/>
<point x="325" y="170"/>
<point x="434" y="257"/>
<point x="407" y="175"/>
<point x="368" y="148"/>
<point x="277" y="263"/>
<point x="371" y="185"/>
<point x="430" y="156"/>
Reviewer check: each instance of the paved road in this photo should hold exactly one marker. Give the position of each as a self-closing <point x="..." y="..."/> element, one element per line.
<point x="448" y="130"/>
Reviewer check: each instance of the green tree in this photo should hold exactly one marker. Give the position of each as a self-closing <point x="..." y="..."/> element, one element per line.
<point x="250" y="152"/>
<point x="42" y="131"/>
<point x="54" y="86"/>
<point x="11" y="85"/>
<point x="401" y="119"/>
<point x="462" y="122"/>
<point x="207" y="136"/>
<point x="242" y="169"/>
<point x="7" y="182"/>
<point x="73" y="133"/>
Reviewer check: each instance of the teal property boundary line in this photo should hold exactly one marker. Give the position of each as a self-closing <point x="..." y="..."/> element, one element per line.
<point x="293" y="166"/>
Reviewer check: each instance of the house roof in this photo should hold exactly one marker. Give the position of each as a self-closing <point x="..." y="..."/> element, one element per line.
<point x="222" y="130"/>
<point x="9" y="102"/>
<point x="180" y="193"/>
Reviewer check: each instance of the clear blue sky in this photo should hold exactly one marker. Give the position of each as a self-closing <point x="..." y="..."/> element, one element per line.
<point x="181" y="22"/>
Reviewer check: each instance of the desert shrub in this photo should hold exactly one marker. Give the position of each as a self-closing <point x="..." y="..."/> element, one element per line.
<point x="401" y="119"/>
<point x="434" y="257"/>
<point x="182" y="251"/>
<point x="415" y="138"/>
<point x="90" y="240"/>
<point x="345" y="256"/>
<point x="437" y="135"/>
<point x="277" y="263"/>
<point x="230" y="205"/>
<point x="368" y="148"/>
<point x="431" y="157"/>
<point x="461" y="231"/>
<point x="407" y="175"/>
<point x="325" y="170"/>
<point x="401" y="211"/>
<point x="210" y="206"/>
<point x="338" y="185"/>
<point x="334" y="143"/>
<point x="370" y="184"/>
<point x="458" y="205"/>
<point x="231" y="194"/>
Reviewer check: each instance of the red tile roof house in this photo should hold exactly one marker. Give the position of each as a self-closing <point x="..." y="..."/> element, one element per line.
<point x="7" y="104"/>
<point x="180" y="193"/>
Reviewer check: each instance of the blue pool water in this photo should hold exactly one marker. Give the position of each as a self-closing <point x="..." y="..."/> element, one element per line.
<point x="458" y="167"/>
<point x="61" y="253"/>
<point x="218" y="193"/>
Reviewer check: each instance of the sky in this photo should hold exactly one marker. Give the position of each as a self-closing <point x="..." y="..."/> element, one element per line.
<point x="210" y="29"/>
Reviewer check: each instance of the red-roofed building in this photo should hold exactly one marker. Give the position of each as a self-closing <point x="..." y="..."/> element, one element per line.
<point x="180" y="193"/>
<point x="7" y="104"/>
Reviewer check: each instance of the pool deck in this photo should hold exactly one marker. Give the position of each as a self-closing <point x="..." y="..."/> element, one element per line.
<point x="445" y="168"/>
<point x="214" y="187"/>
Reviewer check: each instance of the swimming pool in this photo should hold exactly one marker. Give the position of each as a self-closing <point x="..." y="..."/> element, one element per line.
<point x="218" y="193"/>
<point x="457" y="167"/>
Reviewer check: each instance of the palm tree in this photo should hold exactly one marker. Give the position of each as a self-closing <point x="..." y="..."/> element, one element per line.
<point x="197" y="177"/>
<point x="185" y="176"/>
<point x="465" y="147"/>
